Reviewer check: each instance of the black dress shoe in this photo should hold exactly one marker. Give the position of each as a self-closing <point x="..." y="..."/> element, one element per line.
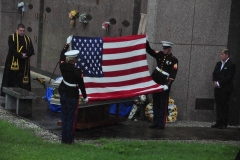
<point x="215" y="125"/>
<point x="222" y="127"/>
<point x="153" y="126"/>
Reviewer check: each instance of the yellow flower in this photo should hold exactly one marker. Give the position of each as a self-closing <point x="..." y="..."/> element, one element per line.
<point x="73" y="14"/>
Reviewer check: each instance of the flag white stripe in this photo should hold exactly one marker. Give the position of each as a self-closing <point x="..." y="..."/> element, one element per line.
<point x="124" y="54"/>
<point x="116" y="79"/>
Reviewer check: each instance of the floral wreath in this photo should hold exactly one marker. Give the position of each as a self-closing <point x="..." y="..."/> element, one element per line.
<point x="172" y="111"/>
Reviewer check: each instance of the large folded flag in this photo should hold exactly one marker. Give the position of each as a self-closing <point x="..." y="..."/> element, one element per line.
<point x="114" y="68"/>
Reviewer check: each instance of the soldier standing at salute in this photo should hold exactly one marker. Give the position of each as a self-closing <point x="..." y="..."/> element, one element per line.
<point x="69" y="93"/>
<point x="164" y="74"/>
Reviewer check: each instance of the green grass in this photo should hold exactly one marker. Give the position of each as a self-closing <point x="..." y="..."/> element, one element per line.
<point x="22" y="144"/>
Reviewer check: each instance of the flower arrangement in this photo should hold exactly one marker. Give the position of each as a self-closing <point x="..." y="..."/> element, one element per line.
<point x="85" y="18"/>
<point x="21" y="8"/>
<point x="105" y="25"/>
<point x="136" y="106"/>
<point x="172" y="111"/>
<point x="73" y="15"/>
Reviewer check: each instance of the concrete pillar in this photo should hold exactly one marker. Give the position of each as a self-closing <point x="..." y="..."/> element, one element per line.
<point x="234" y="48"/>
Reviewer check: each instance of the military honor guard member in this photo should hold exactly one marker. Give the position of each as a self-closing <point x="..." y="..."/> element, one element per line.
<point x="17" y="65"/>
<point x="164" y="74"/>
<point x="69" y="92"/>
<point x="223" y="84"/>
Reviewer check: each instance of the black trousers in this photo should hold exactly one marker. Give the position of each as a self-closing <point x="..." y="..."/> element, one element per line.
<point x="222" y="105"/>
<point x="69" y="110"/>
<point x="160" y="107"/>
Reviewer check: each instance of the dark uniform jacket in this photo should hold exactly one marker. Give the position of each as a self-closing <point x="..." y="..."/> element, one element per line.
<point x="224" y="76"/>
<point x="167" y="63"/>
<point x="13" y="77"/>
<point x="71" y="75"/>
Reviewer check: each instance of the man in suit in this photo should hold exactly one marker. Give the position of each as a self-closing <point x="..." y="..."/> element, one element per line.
<point x="223" y="85"/>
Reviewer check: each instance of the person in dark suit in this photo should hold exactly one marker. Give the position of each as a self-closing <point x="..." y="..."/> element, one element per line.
<point x="223" y="84"/>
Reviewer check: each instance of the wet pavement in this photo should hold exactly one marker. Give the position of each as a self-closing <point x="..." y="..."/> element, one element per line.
<point x="44" y="117"/>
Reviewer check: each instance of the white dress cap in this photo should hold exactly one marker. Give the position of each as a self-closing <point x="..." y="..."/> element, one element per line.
<point x="166" y="44"/>
<point x="72" y="53"/>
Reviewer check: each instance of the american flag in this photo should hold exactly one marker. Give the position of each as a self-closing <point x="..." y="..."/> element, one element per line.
<point x="114" y="68"/>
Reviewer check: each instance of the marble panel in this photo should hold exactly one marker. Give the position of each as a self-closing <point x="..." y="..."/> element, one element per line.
<point x="174" y="21"/>
<point x="151" y="16"/>
<point x="179" y="90"/>
<point x="203" y="61"/>
<point x="211" y="22"/>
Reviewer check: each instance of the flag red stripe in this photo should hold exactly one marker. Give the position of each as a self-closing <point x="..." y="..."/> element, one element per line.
<point x="123" y="49"/>
<point x="122" y="94"/>
<point x="122" y="39"/>
<point x="117" y="84"/>
<point x="124" y="60"/>
<point x="125" y="72"/>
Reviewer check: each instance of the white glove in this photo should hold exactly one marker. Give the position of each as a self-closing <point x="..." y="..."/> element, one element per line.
<point x="69" y="39"/>
<point x="85" y="100"/>
<point x="165" y="87"/>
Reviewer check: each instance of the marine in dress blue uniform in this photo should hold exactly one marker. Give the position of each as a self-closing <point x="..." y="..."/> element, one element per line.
<point x="164" y="74"/>
<point x="223" y="84"/>
<point x="69" y="92"/>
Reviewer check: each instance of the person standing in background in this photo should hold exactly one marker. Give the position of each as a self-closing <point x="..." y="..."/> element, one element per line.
<point x="17" y="65"/>
<point x="223" y="85"/>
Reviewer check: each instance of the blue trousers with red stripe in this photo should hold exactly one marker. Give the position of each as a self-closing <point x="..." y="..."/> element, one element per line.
<point x="160" y="107"/>
<point x="69" y="109"/>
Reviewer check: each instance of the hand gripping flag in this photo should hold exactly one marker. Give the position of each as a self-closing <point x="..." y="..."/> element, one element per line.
<point x="114" y="68"/>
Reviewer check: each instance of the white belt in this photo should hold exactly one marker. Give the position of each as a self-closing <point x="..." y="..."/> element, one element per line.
<point x="163" y="72"/>
<point x="69" y="84"/>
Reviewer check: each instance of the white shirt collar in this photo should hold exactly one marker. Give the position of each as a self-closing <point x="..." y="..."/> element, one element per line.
<point x="225" y="61"/>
